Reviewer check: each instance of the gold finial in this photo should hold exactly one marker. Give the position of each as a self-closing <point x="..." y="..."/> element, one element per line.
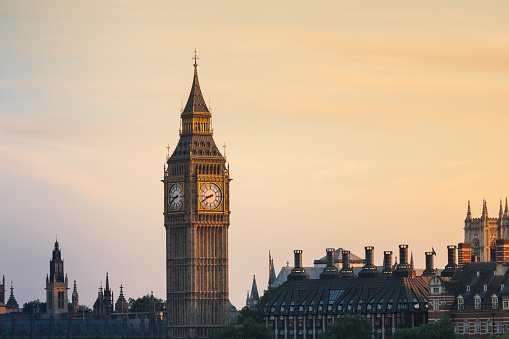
<point x="224" y="150"/>
<point x="195" y="58"/>
<point x="168" y="152"/>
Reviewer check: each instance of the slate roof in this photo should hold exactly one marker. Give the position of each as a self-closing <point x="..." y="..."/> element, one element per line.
<point x="469" y="276"/>
<point x="353" y="295"/>
<point x="195" y="102"/>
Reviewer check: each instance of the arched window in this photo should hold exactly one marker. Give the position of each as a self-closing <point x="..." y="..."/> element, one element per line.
<point x="466" y="327"/>
<point x="477" y="327"/>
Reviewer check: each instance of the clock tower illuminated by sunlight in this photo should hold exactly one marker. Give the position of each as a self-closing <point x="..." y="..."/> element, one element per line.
<point x="196" y="218"/>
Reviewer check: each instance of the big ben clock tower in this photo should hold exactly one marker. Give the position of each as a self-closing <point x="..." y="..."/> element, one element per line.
<point x="196" y="218"/>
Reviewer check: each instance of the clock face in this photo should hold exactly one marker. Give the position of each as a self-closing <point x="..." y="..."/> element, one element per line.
<point x="176" y="197"/>
<point x="210" y="196"/>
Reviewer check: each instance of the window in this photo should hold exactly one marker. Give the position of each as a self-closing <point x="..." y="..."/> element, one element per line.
<point x="456" y="328"/>
<point x="485" y="287"/>
<point x="506" y="304"/>
<point x="489" y="327"/>
<point x="436" y="289"/>
<point x="501" y="287"/>
<point x="468" y="287"/>
<point x="494" y="301"/>
<point x="461" y="303"/>
<point x="466" y="327"/>
<point x="477" y="302"/>
<point x="477" y="327"/>
<point x="436" y="308"/>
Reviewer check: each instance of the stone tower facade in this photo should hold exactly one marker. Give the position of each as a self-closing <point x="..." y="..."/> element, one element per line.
<point x="482" y="233"/>
<point x="196" y="218"/>
<point x="56" y="284"/>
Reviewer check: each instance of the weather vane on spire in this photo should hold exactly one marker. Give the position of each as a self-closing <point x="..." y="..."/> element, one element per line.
<point x="195" y="58"/>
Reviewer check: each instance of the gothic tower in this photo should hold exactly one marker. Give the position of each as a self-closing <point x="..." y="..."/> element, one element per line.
<point x="196" y="218"/>
<point x="56" y="284"/>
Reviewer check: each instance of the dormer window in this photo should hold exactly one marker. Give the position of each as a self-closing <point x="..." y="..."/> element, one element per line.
<point x="477" y="300"/>
<point x="478" y="273"/>
<point x="494" y="301"/>
<point x="485" y="287"/>
<point x="501" y="287"/>
<point x="468" y="288"/>
<point x="461" y="303"/>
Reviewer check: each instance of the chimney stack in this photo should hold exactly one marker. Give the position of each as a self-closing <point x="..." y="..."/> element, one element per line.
<point x="464" y="254"/>
<point x="403" y="269"/>
<point x="387" y="262"/>
<point x="298" y="272"/>
<point x="369" y="270"/>
<point x="429" y="271"/>
<point x="330" y="271"/>
<point x="346" y="271"/>
<point x="451" y="267"/>
<point x="502" y="251"/>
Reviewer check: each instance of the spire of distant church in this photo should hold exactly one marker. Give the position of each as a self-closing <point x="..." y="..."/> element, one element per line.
<point x="500" y="212"/>
<point x="254" y="290"/>
<point x="272" y="272"/>
<point x="506" y="211"/>
<point x="195" y="102"/>
<point x="412" y="259"/>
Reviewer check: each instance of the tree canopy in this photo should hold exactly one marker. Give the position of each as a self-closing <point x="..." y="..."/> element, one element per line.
<point x="34" y="306"/>
<point x="442" y="329"/>
<point x="143" y="304"/>
<point x="349" y="327"/>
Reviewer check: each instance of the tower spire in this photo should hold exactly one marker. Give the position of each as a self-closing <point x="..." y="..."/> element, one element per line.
<point x="195" y="103"/>
<point x="469" y="212"/>
<point x="500" y="212"/>
<point x="506" y="212"/>
<point x="484" y="209"/>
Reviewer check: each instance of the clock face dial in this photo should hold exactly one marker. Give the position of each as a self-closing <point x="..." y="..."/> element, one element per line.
<point x="176" y="197"/>
<point x="210" y="196"/>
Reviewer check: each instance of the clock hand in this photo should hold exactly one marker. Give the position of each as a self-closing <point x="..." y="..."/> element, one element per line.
<point x="208" y="196"/>
<point x="173" y="198"/>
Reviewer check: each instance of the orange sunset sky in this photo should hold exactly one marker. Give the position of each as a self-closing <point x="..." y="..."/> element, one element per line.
<point x="347" y="124"/>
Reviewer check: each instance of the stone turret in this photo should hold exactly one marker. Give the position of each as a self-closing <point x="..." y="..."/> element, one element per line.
<point x="12" y="304"/>
<point x="56" y="285"/>
<point x="121" y="306"/>
<point x="75" y="300"/>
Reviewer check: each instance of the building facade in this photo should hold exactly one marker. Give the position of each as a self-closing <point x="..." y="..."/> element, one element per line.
<point x="476" y="296"/>
<point x="303" y="308"/>
<point x="196" y="218"/>
<point x="482" y="233"/>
